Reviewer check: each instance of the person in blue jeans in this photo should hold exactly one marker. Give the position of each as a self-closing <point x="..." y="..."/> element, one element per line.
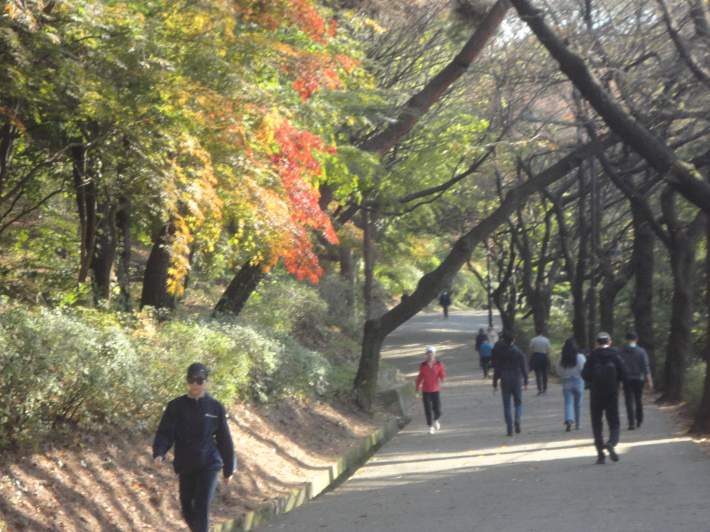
<point x="569" y="368"/>
<point x="511" y="368"/>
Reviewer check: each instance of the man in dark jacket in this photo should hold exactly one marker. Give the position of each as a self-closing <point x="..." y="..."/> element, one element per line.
<point x="510" y="366"/>
<point x="445" y="301"/>
<point x="197" y="424"/>
<point x="638" y="368"/>
<point x="603" y="371"/>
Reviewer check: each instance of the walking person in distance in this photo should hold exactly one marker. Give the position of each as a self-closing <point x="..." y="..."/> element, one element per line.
<point x="540" y="348"/>
<point x="638" y="371"/>
<point x="197" y="424"/>
<point x="569" y="368"/>
<point x="604" y="370"/>
<point x="431" y="372"/>
<point x="511" y="368"/>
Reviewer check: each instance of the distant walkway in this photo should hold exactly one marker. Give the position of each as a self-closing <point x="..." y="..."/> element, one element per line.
<point x="470" y="477"/>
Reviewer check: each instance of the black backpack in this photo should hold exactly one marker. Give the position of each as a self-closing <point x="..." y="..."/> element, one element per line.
<point x="605" y="379"/>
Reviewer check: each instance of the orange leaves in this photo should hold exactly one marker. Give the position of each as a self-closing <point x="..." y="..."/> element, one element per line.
<point x="275" y="14"/>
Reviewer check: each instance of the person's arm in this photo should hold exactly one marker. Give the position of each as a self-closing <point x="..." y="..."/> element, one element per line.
<point x="524" y="368"/>
<point x="647" y="370"/>
<point x="587" y="371"/>
<point x="621" y="370"/>
<point x="225" y="446"/>
<point x="420" y="378"/>
<point x="165" y="436"/>
<point x="442" y="373"/>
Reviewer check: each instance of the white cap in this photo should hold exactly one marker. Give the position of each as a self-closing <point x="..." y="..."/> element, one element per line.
<point x="431" y="348"/>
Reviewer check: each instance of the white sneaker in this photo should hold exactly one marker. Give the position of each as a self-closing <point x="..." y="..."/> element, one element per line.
<point x="432" y="430"/>
<point x="436" y="425"/>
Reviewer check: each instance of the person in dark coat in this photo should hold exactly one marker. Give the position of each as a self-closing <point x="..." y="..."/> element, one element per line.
<point x="639" y="370"/>
<point x="445" y="301"/>
<point x="603" y="371"/>
<point x="510" y="367"/>
<point x="197" y="424"/>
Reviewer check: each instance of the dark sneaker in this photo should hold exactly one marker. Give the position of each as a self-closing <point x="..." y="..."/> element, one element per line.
<point x="612" y="453"/>
<point x="569" y="426"/>
<point x="601" y="460"/>
<point x="631" y="427"/>
<point x="638" y="425"/>
<point x="517" y="427"/>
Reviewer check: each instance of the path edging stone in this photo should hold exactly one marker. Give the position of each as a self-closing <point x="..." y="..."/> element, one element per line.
<point x="336" y="474"/>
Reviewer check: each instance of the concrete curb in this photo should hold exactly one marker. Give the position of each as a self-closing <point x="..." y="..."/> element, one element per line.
<point x="336" y="474"/>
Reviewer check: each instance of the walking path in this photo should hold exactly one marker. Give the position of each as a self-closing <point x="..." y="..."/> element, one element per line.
<point x="470" y="476"/>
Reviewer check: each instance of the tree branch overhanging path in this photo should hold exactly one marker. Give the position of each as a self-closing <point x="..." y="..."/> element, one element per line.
<point x="376" y="330"/>
<point x="679" y="174"/>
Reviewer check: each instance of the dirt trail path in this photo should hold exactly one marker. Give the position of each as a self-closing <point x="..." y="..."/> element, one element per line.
<point x="470" y="477"/>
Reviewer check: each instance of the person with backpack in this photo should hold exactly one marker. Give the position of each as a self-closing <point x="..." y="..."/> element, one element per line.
<point x="484" y="353"/>
<point x="636" y="360"/>
<point x="510" y="366"/>
<point x="197" y="424"/>
<point x="480" y="338"/>
<point x="569" y="368"/>
<point x="603" y="371"/>
<point x="431" y="372"/>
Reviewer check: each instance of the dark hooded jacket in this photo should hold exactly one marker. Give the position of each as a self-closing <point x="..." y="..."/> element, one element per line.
<point x="509" y="365"/>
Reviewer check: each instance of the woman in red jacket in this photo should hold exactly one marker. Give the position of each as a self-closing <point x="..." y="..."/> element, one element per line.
<point x="430" y="373"/>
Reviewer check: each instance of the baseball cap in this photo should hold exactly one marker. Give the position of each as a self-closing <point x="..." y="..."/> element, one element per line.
<point x="431" y="348"/>
<point x="197" y="370"/>
<point x="603" y="336"/>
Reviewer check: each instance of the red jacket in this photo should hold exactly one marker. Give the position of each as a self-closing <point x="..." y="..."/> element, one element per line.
<point x="430" y="376"/>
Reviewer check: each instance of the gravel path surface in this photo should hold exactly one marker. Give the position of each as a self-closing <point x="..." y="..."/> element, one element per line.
<point x="470" y="476"/>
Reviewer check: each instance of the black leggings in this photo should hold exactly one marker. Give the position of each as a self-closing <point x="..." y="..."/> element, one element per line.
<point x="196" y="492"/>
<point x="431" y="402"/>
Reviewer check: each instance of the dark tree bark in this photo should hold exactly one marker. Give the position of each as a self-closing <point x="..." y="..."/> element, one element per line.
<point x="420" y="103"/>
<point x="682" y="254"/>
<point x="680" y="175"/>
<point x="642" y="260"/>
<point x="104" y="254"/>
<point x="506" y="305"/>
<point x="431" y="284"/>
<point x="613" y="284"/>
<point x="369" y="266"/>
<point x="579" y="311"/>
<point x="155" y="279"/>
<point x="85" y="193"/>
<point x="239" y="290"/>
<point x="123" y="270"/>
<point x="701" y="423"/>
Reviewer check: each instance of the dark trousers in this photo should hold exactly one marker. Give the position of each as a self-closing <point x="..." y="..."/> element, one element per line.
<point x="541" y="379"/>
<point x="431" y="402"/>
<point x="510" y="388"/>
<point x="446" y="310"/>
<point x="485" y="365"/>
<point x="633" y="390"/>
<point x="609" y="405"/>
<point x="196" y="492"/>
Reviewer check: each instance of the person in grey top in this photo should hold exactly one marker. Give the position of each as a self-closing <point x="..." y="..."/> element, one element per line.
<point x="638" y="369"/>
<point x="539" y="350"/>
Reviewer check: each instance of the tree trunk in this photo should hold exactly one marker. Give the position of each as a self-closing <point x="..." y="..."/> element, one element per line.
<point x="123" y="271"/>
<point x="239" y="290"/>
<point x="579" y="311"/>
<point x="613" y="284"/>
<point x="347" y="272"/>
<point x="432" y="283"/>
<point x="680" y="342"/>
<point x="642" y="260"/>
<point x="506" y="307"/>
<point x="369" y="268"/>
<point x="681" y="176"/>
<point x="701" y="423"/>
<point x="106" y="243"/>
<point x="85" y="193"/>
<point x="155" y="279"/>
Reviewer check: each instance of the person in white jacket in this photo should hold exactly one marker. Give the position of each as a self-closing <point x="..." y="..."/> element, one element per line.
<point x="569" y="368"/>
